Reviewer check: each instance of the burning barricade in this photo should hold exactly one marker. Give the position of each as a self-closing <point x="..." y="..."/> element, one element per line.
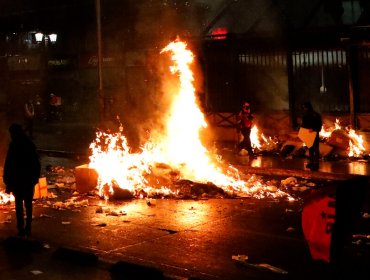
<point x="344" y="140"/>
<point x="336" y="141"/>
<point x="173" y="161"/>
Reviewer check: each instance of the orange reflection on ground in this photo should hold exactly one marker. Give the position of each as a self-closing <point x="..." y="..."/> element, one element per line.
<point x="358" y="168"/>
<point x="191" y="214"/>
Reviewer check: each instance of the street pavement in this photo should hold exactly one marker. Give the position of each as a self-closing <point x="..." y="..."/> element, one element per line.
<point x="179" y="238"/>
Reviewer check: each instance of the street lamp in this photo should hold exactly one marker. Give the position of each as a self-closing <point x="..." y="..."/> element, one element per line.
<point x="100" y="60"/>
<point x="53" y="37"/>
<point x="39" y="36"/>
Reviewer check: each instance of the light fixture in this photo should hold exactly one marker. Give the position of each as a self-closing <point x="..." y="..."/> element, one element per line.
<point x="39" y="37"/>
<point x="53" y="37"/>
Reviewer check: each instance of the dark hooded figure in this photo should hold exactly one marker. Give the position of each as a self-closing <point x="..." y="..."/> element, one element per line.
<point x="312" y="121"/>
<point x="21" y="173"/>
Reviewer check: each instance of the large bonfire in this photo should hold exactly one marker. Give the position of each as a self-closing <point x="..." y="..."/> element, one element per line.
<point x="172" y="155"/>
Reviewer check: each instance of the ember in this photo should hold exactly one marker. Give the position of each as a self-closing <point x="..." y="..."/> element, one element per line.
<point x="174" y="155"/>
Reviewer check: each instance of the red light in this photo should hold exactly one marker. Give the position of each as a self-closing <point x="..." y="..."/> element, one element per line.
<point x="219" y="33"/>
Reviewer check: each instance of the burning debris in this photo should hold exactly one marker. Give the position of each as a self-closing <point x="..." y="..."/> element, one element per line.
<point x="336" y="142"/>
<point x="344" y="138"/>
<point x="262" y="143"/>
<point x="173" y="162"/>
<point x="5" y="198"/>
<point x="63" y="194"/>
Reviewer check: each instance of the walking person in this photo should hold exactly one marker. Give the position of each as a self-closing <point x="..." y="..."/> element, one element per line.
<point x="312" y="120"/>
<point x="21" y="173"/>
<point x="244" y="122"/>
<point x="29" y="116"/>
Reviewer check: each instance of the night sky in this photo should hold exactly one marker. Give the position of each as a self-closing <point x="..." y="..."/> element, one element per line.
<point x="181" y="16"/>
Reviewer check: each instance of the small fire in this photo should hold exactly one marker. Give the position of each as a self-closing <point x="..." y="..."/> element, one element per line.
<point x="355" y="142"/>
<point x="5" y="198"/>
<point x="172" y="154"/>
<point x="356" y="145"/>
<point x="325" y="133"/>
<point x="260" y="141"/>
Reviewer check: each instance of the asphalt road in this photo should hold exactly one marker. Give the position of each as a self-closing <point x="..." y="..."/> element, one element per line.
<point x="170" y="238"/>
<point x="178" y="238"/>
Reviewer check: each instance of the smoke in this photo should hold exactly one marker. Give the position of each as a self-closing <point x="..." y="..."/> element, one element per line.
<point x="153" y="89"/>
<point x="150" y="85"/>
<point x="159" y="22"/>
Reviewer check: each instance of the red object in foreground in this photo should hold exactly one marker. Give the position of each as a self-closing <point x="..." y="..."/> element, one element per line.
<point x="318" y="218"/>
<point x="329" y="217"/>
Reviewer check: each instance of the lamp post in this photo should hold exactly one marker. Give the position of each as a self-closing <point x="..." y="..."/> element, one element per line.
<point x="53" y="38"/>
<point x="100" y="71"/>
<point x="46" y="38"/>
<point x="39" y="36"/>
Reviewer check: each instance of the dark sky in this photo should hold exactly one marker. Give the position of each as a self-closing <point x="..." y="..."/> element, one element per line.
<point x="18" y="14"/>
<point x="240" y="16"/>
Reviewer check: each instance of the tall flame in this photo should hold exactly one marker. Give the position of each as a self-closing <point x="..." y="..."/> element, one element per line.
<point x="179" y="146"/>
<point x="182" y="143"/>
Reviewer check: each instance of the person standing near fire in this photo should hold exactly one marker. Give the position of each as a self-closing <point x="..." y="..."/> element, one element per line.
<point x="22" y="170"/>
<point x="244" y="126"/>
<point x="312" y="120"/>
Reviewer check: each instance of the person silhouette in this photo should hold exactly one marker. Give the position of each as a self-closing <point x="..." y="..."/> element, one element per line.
<point x="244" y="125"/>
<point x="312" y="120"/>
<point x="21" y="173"/>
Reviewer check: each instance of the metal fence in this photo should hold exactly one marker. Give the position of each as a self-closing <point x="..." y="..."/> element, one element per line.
<point x="321" y="75"/>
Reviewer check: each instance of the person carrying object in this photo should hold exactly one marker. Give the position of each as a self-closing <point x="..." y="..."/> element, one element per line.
<point x="312" y="121"/>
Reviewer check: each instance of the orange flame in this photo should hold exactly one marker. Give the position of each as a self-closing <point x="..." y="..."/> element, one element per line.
<point x="325" y="133"/>
<point x="356" y="145"/>
<point x="260" y="141"/>
<point x="178" y="147"/>
<point x="356" y="142"/>
<point x="5" y="198"/>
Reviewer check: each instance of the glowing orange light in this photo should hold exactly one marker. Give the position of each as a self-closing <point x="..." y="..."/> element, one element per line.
<point x="177" y="146"/>
<point x="5" y="198"/>
<point x="356" y="142"/>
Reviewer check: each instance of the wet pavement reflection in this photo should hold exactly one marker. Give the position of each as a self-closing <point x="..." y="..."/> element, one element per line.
<point x="336" y="166"/>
